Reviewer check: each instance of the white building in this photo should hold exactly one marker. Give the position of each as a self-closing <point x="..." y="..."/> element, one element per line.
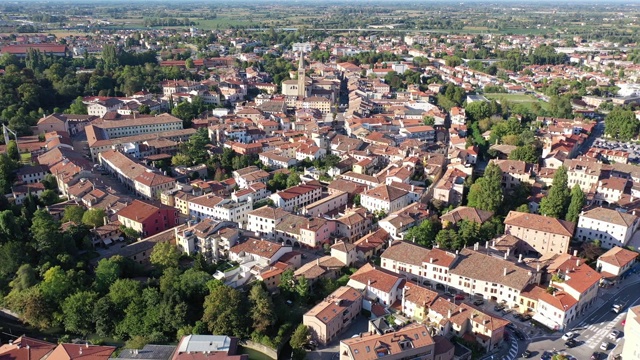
<point x="296" y="197"/>
<point x="263" y="221"/>
<point x="384" y="198"/>
<point x="610" y="227"/>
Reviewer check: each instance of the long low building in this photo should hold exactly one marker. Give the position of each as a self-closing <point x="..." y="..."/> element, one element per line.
<point x="334" y="314"/>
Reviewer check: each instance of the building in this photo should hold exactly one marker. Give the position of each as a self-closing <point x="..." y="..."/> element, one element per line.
<point x="297" y="197"/>
<point x="378" y="285"/>
<point x="263" y="221"/>
<point x="515" y="172"/>
<point x="26" y="348"/>
<point x="612" y="228"/>
<point x="411" y="342"/>
<point x="46" y="49"/>
<point x="249" y="176"/>
<point x="450" y="187"/>
<point x="148" y="352"/>
<point x="615" y="262"/>
<point x="631" y="348"/>
<point x="209" y="237"/>
<point x="208" y="347"/>
<point x="335" y="201"/>
<point x="384" y="198"/>
<point x="81" y="352"/>
<point x="399" y="222"/>
<point x="333" y="315"/>
<point x="148" y="219"/>
<point x="462" y="213"/>
<point x="309" y="231"/>
<point x="583" y="172"/>
<point x="209" y="206"/>
<point x="545" y="235"/>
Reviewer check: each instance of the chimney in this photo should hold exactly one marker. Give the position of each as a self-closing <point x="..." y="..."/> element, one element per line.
<point x="369" y="282"/>
<point x="318" y="261"/>
<point x="538" y="267"/>
<point x="520" y="258"/>
<point x="487" y="244"/>
<point x="505" y="272"/>
<point x="449" y="314"/>
<point x="578" y="263"/>
<point x="575" y="252"/>
<point x="431" y="260"/>
<point x="475" y="246"/>
<point x="493" y="243"/>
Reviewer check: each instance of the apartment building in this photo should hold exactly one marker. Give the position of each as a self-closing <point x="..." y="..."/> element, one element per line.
<point x="584" y="172"/>
<point x="263" y="221"/>
<point x="423" y="133"/>
<point x="211" y="238"/>
<point x="249" y="176"/>
<point x="611" y="190"/>
<point x="151" y="185"/>
<point x="99" y="141"/>
<point x="335" y="201"/>
<point x="296" y="197"/>
<point x="384" y="198"/>
<point x="411" y="342"/>
<point x="450" y="187"/>
<point x="354" y="223"/>
<point x="515" y="172"/>
<point x="399" y="222"/>
<point x="308" y="231"/>
<point x="333" y="315"/>
<point x="612" y="228"/>
<point x="209" y="206"/>
<point x="377" y="284"/>
<point x="631" y="347"/>
<point x="545" y="235"/>
<point x="148" y="219"/>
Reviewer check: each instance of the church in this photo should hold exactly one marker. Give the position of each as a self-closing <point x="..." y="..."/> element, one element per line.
<point x="310" y="92"/>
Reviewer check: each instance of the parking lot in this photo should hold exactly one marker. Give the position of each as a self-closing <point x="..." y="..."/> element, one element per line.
<point x="628" y="147"/>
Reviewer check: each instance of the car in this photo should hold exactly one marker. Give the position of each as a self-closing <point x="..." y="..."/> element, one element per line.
<point x="614" y="334"/>
<point x="478" y="302"/>
<point x="448" y="294"/>
<point x="604" y="346"/>
<point x="595" y="356"/>
<point x="526" y="354"/>
<point x="517" y="316"/>
<point x="459" y="297"/>
<point x="568" y="336"/>
<point x="525" y="317"/>
<point x="498" y="307"/>
<point x="519" y="335"/>
<point x="571" y="343"/>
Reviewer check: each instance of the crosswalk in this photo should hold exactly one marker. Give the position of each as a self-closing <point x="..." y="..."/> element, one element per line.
<point x="598" y="331"/>
<point x="513" y="349"/>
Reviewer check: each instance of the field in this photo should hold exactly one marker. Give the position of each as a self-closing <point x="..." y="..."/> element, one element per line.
<point x="523" y="99"/>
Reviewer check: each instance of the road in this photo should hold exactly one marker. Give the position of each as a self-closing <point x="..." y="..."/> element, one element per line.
<point x="593" y="329"/>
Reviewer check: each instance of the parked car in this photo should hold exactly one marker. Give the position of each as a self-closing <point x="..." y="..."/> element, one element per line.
<point x="478" y="302"/>
<point x="595" y="356"/>
<point x="571" y="343"/>
<point x="459" y="297"/>
<point x="604" y="346"/>
<point x="614" y="334"/>
<point x="568" y="336"/>
<point x="498" y="307"/>
<point x="525" y="317"/>
<point x="526" y="354"/>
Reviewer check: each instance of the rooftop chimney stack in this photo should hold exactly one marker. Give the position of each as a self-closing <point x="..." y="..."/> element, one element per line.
<point x="505" y="271"/>
<point x="520" y="258"/>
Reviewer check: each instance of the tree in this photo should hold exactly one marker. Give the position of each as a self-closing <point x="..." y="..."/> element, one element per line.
<point x="429" y="120"/>
<point x="49" y="197"/>
<point x="621" y="124"/>
<point x="25" y="278"/>
<point x="225" y="311"/>
<point x="560" y="107"/>
<point x="106" y="273"/>
<point x="303" y="289"/>
<point x="293" y="179"/>
<point x="477" y="110"/>
<point x="486" y="192"/>
<point x="73" y="214"/>
<point x="287" y="281"/>
<point x="557" y="200"/>
<point x="423" y="234"/>
<point x="77" y="310"/>
<point x="262" y="310"/>
<point x="189" y="63"/>
<point x="12" y="150"/>
<point x="526" y="153"/>
<point x="45" y="232"/>
<point x="300" y="337"/>
<point x="165" y="255"/>
<point x="123" y="292"/>
<point x="77" y="107"/>
<point x="94" y="217"/>
<point x="576" y="204"/>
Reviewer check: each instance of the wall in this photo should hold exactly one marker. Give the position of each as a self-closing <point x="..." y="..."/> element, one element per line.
<point x="270" y="352"/>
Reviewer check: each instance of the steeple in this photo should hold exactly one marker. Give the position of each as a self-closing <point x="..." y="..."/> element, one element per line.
<point x="301" y="77"/>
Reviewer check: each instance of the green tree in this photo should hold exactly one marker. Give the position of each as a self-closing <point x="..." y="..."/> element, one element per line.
<point x="94" y="217"/>
<point x="73" y="214"/>
<point x="165" y="255"/>
<point x="49" y="197"/>
<point x="106" y="273"/>
<point x="287" y="281"/>
<point x="262" y="309"/>
<point x="300" y="337"/>
<point x="557" y="200"/>
<point x="560" y="107"/>
<point x="123" y="292"/>
<point x="225" y="312"/>
<point x="303" y="289"/>
<point x="45" y="233"/>
<point x="477" y="110"/>
<point x="25" y="278"/>
<point x="12" y="150"/>
<point x="576" y="204"/>
<point x="77" y="107"/>
<point x="621" y="124"/>
<point x="423" y="234"/>
<point x="526" y="153"/>
<point x="293" y="179"/>
<point x="486" y="192"/>
<point x="77" y="310"/>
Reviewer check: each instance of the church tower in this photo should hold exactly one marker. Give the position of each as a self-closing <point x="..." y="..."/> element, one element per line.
<point x="301" y="77"/>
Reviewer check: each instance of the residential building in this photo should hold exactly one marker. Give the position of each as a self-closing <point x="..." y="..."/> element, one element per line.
<point x="209" y="237"/>
<point x="309" y="231"/>
<point x="30" y="174"/>
<point x="81" y="352"/>
<point x="354" y="223"/>
<point x="150" y="185"/>
<point x="580" y="282"/>
<point x="148" y="219"/>
<point x="616" y="262"/>
<point x="249" y="176"/>
<point x="631" y="347"/>
<point x="26" y="348"/>
<point x="467" y="213"/>
<point x="399" y="222"/>
<point x="384" y="198"/>
<point x="325" y="205"/>
<point x="263" y="221"/>
<point x="148" y="352"/>
<point x="543" y="234"/>
<point x="333" y="315"/>
<point x="296" y="197"/>
<point x="423" y="133"/>
<point x="411" y="342"/>
<point x="583" y="172"/>
<point x="515" y="172"/>
<point x="203" y="347"/>
<point x="450" y="187"/>
<point x="209" y="206"/>
<point x="611" y="227"/>
<point x="378" y="285"/>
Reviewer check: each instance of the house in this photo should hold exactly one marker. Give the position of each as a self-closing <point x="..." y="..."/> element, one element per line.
<point x="140" y="251"/>
<point x="326" y="267"/>
<point x="416" y="300"/>
<point x="384" y="198"/>
<point x="297" y="197"/>
<point x="345" y="252"/>
<point x="514" y="172"/>
<point x="580" y="282"/>
<point x="148" y="352"/>
<point x="263" y="221"/>
<point x="326" y="205"/>
<point x="378" y="285"/>
<point x="371" y="245"/>
<point x="354" y="223"/>
<point x="612" y="228"/>
<point x="204" y="347"/>
<point x="616" y="262"/>
<point x="467" y="213"/>
<point x="148" y="219"/>
<point x="399" y="222"/>
<point x="81" y="352"/>
<point x="450" y="187"/>
<point x="26" y="348"/>
<point x="209" y="206"/>
<point x="300" y="230"/>
<point x="333" y="315"/>
<point x="53" y="122"/>
<point x="545" y="235"/>
<point x="249" y="176"/>
<point x="411" y="342"/>
<point x="583" y="172"/>
<point x="424" y="133"/>
<point x="29" y="174"/>
<point x="259" y="251"/>
<point x="150" y="185"/>
<point x="631" y="347"/>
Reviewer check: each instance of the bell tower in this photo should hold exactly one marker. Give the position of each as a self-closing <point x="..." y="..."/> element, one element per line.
<point x="302" y="93"/>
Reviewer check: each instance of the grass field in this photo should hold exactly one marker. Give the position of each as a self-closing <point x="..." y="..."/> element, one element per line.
<point x="523" y="99"/>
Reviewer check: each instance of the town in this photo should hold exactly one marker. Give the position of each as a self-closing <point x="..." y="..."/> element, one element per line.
<point x="338" y="191"/>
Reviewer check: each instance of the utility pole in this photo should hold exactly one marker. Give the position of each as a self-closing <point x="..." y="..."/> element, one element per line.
<point x="5" y="132"/>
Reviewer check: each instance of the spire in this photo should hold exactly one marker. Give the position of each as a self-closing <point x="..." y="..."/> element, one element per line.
<point x="301" y="77"/>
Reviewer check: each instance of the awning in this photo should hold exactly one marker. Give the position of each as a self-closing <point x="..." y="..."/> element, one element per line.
<point x="546" y="322"/>
<point x="107" y="241"/>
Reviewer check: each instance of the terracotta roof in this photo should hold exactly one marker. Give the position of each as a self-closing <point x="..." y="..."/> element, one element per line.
<point x="477" y="265"/>
<point x="268" y="212"/>
<point x="296" y="191"/>
<point x="370" y="346"/>
<point x="139" y="210"/>
<point x="381" y="279"/>
<point x="467" y="213"/>
<point x="153" y="179"/>
<point x="25" y="348"/>
<point x="560" y="300"/>
<point x="406" y="252"/>
<point x="81" y="352"/>
<point x="419" y="295"/>
<point x="262" y="248"/>
<point x="611" y="216"/>
<point x="540" y="223"/>
<point x="386" y="193"/>
<point x="335" y="304"/>
<point x="581" y="278"/>
<point x="618" y="256"/>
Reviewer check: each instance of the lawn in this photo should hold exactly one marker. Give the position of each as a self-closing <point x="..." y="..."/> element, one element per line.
<point x="523" y="99"/>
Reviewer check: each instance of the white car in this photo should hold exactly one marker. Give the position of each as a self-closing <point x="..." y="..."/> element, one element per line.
<point x="568" y="336"/>
<point x="614" y="334"/>
<point x="604" y="346"/>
